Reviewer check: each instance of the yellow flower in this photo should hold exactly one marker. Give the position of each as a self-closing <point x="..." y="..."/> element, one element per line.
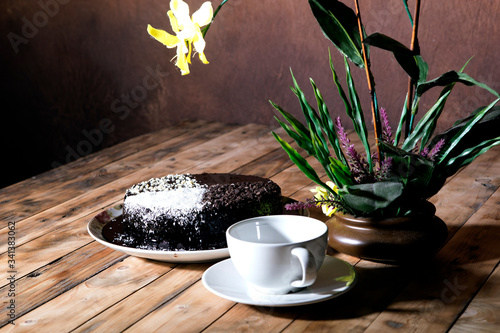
<point x="323" y="195"/>
<point x="187" y="30"/>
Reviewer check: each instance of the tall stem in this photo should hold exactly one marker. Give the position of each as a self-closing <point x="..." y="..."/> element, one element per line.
<point x="416" y="51"/>
<point x="371" y="84"/>
<point x="204" y="30"/>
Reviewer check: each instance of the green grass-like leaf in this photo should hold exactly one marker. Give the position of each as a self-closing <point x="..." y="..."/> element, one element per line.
<point x="426" y="126"/>
<point x="328" y="124"/>
<point x="452" y="77"/>
<point x="468" y="155"/>
<point x="297" y="132"/>
<point x="301" y="163"/>
<point x="444" y="156"/>
<point x="356" y="114"/>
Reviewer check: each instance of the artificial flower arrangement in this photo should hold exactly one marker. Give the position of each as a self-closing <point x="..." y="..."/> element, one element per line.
<point x="407" y="166"/>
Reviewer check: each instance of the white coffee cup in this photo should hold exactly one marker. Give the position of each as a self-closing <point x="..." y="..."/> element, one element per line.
<point x="278" y="254"/>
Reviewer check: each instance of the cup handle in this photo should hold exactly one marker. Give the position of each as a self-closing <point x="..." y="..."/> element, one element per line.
<point x="308" y="264"/>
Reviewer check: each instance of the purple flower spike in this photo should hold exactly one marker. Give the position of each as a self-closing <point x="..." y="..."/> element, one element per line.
<point x="425" y="152"/>
<point x="357" y="163"/>
<point x="435" y="150"/>
<point x="386" y="131"/>
<point x="384" y="169"/>
<point x="342" y="134"/>
<point x="298" y="205"/>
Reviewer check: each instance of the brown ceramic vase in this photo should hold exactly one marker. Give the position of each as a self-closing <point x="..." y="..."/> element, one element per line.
<point x="392" y="240"/>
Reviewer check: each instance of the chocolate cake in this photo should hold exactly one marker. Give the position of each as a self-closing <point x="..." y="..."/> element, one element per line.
<point x="192" y="212"/>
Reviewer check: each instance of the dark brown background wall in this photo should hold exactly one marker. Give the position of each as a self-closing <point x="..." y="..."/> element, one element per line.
<point x="80" y="75"/>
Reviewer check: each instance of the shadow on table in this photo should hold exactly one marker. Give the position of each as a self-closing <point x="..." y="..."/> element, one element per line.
<point x="440" y="281"/>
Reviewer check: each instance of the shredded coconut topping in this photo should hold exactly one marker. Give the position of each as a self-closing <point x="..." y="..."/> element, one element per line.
<point x="169" y="182"/>
<point x="152" y="204"/>
<point x="165" y="196"/>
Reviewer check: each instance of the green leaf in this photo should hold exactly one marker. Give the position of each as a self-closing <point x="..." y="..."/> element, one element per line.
<point x="426" y="126"/>
<point x="493" y="115"/>
<point x="452" y="165"/>
<point x="449" y="78"/>
<point x="303" y="142"/>
<point x="328" y="124"/>
<point x="401" y="123"/>
<point x="468" y="155"/>
<point x="403" y="55"/>
<point x="413" y="170"/>
<point x="335" y="170"/>
<point x="482" y="133"/>
<point x="339" y="24"/>
<point x="342" y="172"/>
<point x="342" y="94"/>
<point x="296" y="124"/>
<point x="369" y="197"/>
<point x="348" y="279"/>
<point x="464" y="130"/>
<point x="300" y="162"/>
<point x="321" y="150"/>
<point x="485" y="129"/>
<point x="356" y="114"/>
<point x="299" y="133"/>
<point x="312" y="117"/>
<point x="423" y="68"/>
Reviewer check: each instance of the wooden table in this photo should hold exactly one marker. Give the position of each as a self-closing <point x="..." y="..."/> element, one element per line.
<point x="56" y="278"/>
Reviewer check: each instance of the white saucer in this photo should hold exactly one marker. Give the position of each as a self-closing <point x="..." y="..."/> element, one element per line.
<point x="335" y="277"/>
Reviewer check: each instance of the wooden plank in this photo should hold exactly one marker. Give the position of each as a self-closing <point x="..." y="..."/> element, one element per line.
<point x="84" y="301"/>
<point x="50" y="247"/>
<point x="483" y="314"/>
<point x="245" y="318"/>
<point x="239" y="154"/>
<point x="55" y="278"/>
<point x="154" y="297"/>
<point x="191" y="311"/>
<point x="267" y="165"/>
<point x="15" y="210"/>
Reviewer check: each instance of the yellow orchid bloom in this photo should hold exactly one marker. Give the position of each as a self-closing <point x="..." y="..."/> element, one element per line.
<point x="187" y="30"/>
<point x="322" y="194"/>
